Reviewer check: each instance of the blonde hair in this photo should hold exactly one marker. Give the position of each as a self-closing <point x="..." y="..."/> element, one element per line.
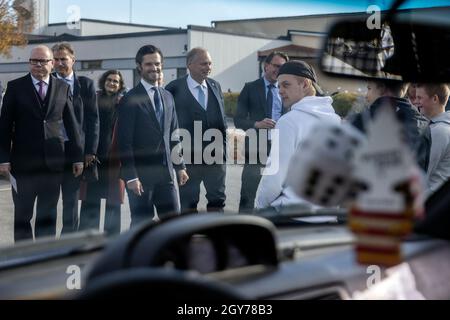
<point x="311" y="91"/>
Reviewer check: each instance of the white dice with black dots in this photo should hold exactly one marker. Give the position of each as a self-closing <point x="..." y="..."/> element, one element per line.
<point x="321" y="169"/>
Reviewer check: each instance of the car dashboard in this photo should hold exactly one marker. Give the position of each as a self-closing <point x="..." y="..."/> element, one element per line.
<point x="313" y="263"/>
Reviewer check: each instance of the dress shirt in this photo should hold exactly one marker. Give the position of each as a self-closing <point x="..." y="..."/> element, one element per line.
<point x="193" y="87"/>
<point x="69" y="80"/>
<point x="44" y="87"/>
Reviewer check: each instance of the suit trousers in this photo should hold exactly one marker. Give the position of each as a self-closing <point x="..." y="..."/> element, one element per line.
<point x="213" y="178"/>
<point x="90" y="213"/>
<point x="70" y="188"/>
<point x="251" y="176"/>
<point x="159" y="192"/>
<point x="43" y="187"/>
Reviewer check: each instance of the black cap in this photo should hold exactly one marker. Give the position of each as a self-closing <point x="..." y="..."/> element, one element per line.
<point x="301" y="69"/>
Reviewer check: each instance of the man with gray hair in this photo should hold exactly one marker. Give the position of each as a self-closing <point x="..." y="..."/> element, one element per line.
<point x="200" y="107"/>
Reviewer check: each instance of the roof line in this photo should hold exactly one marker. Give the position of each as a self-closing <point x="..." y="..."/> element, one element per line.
<point x="70" y="37"/>
<point x="306" y="31"/>
<point x="323" y="15"/>
<point x="243" y="34"/>
<point x="114" y="23"/>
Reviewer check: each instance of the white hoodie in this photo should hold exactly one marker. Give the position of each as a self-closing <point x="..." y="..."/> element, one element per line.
<point x="292" y="127"/>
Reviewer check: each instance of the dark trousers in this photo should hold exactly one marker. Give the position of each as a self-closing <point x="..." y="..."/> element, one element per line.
<point x="70" y="188"/>
<point x="213" y="177"/>
<point x="159" y="192"/>
<point x="251" y="176"/>
<point x="90" y="211"/>
<point x="44" y="188"/>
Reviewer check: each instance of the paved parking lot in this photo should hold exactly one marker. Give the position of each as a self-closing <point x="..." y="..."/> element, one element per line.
<point x="232" y="190"/>
<point x="6" y="205"/>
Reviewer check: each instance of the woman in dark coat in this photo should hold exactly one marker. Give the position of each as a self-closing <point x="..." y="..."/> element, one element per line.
<point x="109" y="186"/>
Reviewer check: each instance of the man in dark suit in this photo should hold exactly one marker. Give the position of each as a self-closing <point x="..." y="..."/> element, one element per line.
<point x="86" y="113"/>
<point x="259" y="107"/>
<point x="148" y="144"/>
<point x="200" y="108"/>
<point x="36" y="118"/>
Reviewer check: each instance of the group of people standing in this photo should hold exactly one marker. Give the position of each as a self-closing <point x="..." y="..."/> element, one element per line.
<point x="59" y="135"/>
<point x="421" y="109"/>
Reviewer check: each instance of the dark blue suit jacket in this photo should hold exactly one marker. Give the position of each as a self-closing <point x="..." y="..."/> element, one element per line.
<point x="143" y="146"/>
<point x="86" y="111"/>
<point x="32" y="138"/>
<point x="251" y="105"/>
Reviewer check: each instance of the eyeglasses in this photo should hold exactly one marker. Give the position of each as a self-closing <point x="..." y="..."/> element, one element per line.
<point x="42" y="62"/>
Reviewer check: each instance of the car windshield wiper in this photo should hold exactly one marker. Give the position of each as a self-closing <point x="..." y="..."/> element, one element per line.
<point x="300" y="215"/>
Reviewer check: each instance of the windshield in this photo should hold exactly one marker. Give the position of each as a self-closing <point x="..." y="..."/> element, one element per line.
<point x="110" y="119"/>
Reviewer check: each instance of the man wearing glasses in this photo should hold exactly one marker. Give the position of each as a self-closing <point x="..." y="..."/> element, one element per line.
<point x="259" y="107"/>
<point x="86" y="113"/>
<point x="37" y="112"/>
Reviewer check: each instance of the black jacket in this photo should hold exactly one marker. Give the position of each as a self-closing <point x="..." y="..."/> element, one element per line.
<point x="143" y="146"/>
<point x="416" y="126"/>
<point x="86" y="112"/>
<point x="32" y="132"/>
<point x="188" y="109"/>
<point x="251" y="106"/>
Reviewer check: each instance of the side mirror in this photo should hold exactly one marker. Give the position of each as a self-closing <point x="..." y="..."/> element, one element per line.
<point x="400" y="50"/>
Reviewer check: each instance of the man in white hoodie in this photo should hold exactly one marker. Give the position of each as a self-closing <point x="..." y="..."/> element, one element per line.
<point x="298" y="89"/>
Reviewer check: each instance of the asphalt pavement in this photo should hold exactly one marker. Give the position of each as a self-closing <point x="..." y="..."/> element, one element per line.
<point x="7" y="214"/>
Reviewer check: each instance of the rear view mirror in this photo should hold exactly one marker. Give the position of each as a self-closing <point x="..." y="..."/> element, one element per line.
<point x="407" y="51"/>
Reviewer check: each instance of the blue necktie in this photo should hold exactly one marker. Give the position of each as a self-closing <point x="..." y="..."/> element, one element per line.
<point x="69" y="83"/>
<point x="201" y="97"/>
<point x="269" y="101"/>
<point x="158" y="106"/>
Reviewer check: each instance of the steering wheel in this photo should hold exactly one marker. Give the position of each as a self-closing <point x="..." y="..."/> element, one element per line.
<point x="159" y="284"/>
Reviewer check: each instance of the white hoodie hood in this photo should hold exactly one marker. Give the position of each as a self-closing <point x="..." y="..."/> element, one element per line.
<point x="320" y="107"/>
<point x="292" y="129"/>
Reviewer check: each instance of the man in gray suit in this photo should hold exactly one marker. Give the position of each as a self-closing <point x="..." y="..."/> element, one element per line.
<point x="146" y="127"/>
<point x="259" y="107"/>
<point x="200" y="107"/>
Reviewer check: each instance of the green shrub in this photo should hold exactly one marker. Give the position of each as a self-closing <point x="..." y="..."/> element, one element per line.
<point x="345" y="102"/>
<point x="230" y="103"/>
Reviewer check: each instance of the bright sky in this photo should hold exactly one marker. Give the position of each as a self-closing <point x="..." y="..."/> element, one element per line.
<point x="179" y="13"/>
